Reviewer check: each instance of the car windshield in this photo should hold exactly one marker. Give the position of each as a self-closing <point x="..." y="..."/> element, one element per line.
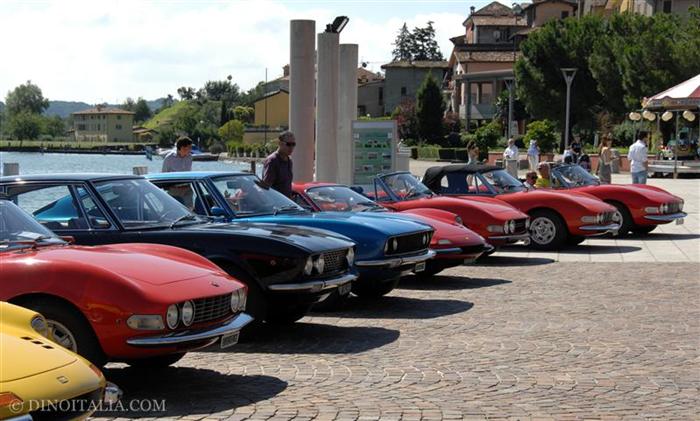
<point x="247" y="195"/>
<point x="405" y="186"/>
<point x="341" y="199"/>
<point x="18" y="229"/>
<point x="140" y="204"/>
<point x="502" y="182"/>
<point x="574" y="176"/>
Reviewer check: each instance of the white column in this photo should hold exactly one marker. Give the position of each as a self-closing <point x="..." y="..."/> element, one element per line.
<point x="301" y="96"/>
<point x="327" y="107"/>
<point x="347" y="110"/>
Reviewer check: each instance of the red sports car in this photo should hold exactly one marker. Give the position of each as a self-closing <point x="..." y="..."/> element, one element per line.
<point x="640" y="208"/>
<point x="557" y="219"/>
<point x="496" y="221"/>
<point x="453" y="243"/>
<point x="144" y="304"/>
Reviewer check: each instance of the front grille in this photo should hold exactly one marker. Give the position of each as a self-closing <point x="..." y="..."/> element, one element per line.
<point x="472" y="249"/>
<point x="212" y="308"/>
<point x="410" y="243"/>
<point x="335" y="261"/>
<point x="520" y="226"/>
<point x="608" y="218"/>
<point x="70" y="408"/>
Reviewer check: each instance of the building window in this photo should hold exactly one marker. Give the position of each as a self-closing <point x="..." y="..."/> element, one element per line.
<point x="564" y="14"/>
<point x="81" y="127"/>
<point x="667" y="6"/>
<point x="403" y="90"/>
<point x="119" y="117"/>
<point x="99" y="127"/>
<point x="119" y="126"/>
<point x="381" y="95"/>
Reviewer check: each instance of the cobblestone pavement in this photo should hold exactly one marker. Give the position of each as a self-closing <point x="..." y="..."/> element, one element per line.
<point x="512" y="338"/>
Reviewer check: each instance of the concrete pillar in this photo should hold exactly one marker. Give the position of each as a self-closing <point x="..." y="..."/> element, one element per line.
<point x="327" y="107"/>
<point x="141" y="170"/>
<point x="347" y="110"/>
<point x="301" y="96"/>
<point x="10" y="168"/>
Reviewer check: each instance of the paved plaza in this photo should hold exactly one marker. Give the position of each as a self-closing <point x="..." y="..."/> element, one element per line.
<point x="608" y="331"/>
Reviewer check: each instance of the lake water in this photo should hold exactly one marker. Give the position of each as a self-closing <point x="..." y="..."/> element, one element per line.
<point x="48" y="163"/>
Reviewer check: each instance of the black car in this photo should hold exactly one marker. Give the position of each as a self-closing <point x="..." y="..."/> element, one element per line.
<point x="287" y="269"/>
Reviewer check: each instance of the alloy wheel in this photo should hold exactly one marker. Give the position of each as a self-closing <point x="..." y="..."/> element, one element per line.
<point x="60" y="334"/>
<point x="542" y="230"/>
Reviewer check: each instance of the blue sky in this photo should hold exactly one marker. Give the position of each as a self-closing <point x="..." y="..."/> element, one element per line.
<point x="97" y="51"/>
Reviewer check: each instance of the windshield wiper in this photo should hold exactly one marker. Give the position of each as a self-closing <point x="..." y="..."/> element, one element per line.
<point x="187" y="217"/>
<point x="284" y="208"/>
<point x="369" y="206"/>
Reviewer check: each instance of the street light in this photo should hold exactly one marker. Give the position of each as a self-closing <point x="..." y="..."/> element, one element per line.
<point x="569" y="73"/>
<point x="338" y="24"/>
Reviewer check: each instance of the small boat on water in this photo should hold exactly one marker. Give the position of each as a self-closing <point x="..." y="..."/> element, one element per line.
<point x="197" y="154"/>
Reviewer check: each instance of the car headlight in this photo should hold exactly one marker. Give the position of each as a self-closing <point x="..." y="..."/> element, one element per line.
<point x="238" y="300"/>
<point x="458" y="220"/>
<point x="394" y="244"/>
<point x="663" y="208"/>
<point x="495" y="228"/>
<point x="651" y="209"/>
<point x="309" y="266"/>
<point x="680" y="206"/>
<point x="506" y="227"/>
<point x="350" y="257"/>
<point x="38" y="323"/>
<point x="187" y="313"/>
<point x="426" y="238"/>
<point x="172" y="316"/>
<point x="527" y="223"/>
<point x="145" y="322"/>
<point x="319" y="264"/>
<point x="444" y="242"/>
<point x="512" y="226"/>
<point x="589" y="219"/>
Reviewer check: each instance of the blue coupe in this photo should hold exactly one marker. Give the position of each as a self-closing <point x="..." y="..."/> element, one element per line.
<point x="387" y="246"/>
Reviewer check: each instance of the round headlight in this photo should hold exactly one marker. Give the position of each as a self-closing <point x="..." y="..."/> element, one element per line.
<point x="172" y="317"/>
<point x="309" y="266"/>
<point x="39" y="325"/>
<point x="512" y="225"/>
<point x="386" y="247"/>
<point x="238" y="300"/>
<point x="506" y="227"/>
<point x="664" y="208"/>
<point x="527" y="223"/>
<point x="350" y="257"/>
<point x="320" y="264"/>
<point x="458" y="220"/>
<point x="394" y="244"/>
<point x="187" y="313"/>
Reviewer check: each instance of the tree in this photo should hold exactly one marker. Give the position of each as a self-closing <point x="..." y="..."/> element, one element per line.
<point x="404" y="47"/>
<point x="424" y="44"/>
<point x="249" y="97"/>
<point x="24" y="125"/>
<point x="186" y="93"/>
<point x="430" y="109"/>
<point x="141" y="111"/>
<point x="486" y="137"/>
<point x="544" y="132"/>
<point x="26" y="98"/>
<point x="405" y="116"/>
<point x="232" y="132"/>
<point x="54" y="126"/>
<point x="502" y="104"/>
<point x="128" y="105"/>
<point x="244" y="114"/>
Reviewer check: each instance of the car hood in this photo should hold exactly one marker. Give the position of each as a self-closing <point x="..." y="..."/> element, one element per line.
<point x="22" y="358"/>
<point x="311" y="239"/>
<point x="649" y="192"/>
<point x="488" y="204"/>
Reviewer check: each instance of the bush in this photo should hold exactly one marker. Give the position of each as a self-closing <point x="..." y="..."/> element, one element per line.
<point x="217" y="148"/>
<point x="428" y="152"/>
<point x="623" y="133"/>
<point x="544" y="131"/>
<point x="486" y="137"/>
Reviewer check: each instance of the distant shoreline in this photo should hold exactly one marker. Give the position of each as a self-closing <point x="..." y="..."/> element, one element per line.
<point x="34" y="149"/>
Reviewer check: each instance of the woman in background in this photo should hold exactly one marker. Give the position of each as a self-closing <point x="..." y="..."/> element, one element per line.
<point x="605" y="158"/>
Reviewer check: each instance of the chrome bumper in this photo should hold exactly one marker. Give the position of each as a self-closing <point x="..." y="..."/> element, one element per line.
<point x="177" y="338"/>
<point x="601" y="228"/>
<point x="25" y="417"/>
<point x="454" y="250"/>
<point x="667" y="218"/>
<point x="513" y="237"/>
<point x="314" y="286"/>
<point x="393" y="262"/>
<point x="112" y="394"/>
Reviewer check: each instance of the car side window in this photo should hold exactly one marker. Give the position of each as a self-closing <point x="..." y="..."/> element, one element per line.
<point x="95" y="217"/>
<point x="207" y="198"/>
<point x="51" y="205"/>
<point x="185" y="193"/>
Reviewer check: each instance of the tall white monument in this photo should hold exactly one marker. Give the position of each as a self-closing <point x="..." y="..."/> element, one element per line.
<point x="327" y="107"/>
<point x="347" y="110"/>
<point x="301" y="96"/>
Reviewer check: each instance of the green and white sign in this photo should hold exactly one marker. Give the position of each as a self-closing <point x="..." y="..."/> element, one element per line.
<point x="374" y="146"/>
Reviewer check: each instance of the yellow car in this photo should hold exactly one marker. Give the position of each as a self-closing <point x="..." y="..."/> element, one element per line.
<point x="41" y="379"/>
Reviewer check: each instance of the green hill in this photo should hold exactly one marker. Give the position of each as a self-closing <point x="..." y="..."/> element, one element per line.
<point x="166" y="116"/>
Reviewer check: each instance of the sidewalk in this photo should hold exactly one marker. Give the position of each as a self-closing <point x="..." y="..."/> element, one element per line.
<point x="667" y="243"/>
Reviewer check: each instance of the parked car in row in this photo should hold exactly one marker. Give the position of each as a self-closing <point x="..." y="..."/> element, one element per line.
<point x="136" y="303"/>
<point x="286" y="269"/>
<point x="494" y="220"/>
<point x="639" y="208"/>
<point x="453" y="243"/>
<point x="41" y="380"/>
<point x="556" y="219"/>
<point x="387" y="247"/>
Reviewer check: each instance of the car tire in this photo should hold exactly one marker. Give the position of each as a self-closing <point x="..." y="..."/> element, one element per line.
<point x="622" y="212"/>
<point x="643" y="230"/>
<point x="287" y="315"/>
<point x="69" y="328"/>
<point x="155" y="363"/>
<point x="374" y="289"/>
<point x="547" y="230"/>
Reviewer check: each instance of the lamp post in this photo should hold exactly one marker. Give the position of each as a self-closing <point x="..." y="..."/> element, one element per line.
<point x="569" y="73"/>
<point x="510" y="84"/>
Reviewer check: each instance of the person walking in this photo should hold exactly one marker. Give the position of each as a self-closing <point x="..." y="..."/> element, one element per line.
<point x="472" y="153"/>
<point x="533" y="155"/>
<point x="181" y="158"/>
<point x="277" y="167"/>
<point x="637" y="156"/>
<point x="605" y="159"/>
<point x="510" y="157"/>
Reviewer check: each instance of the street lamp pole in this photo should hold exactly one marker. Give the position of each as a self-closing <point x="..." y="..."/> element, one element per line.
<point x="569" y="73"/>
<point x="510" y="84"/>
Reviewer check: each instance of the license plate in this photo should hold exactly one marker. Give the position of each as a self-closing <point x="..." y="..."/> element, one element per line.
<point x="229" y="340"/>
<point x="420" y="267"/>
<point x="680" y="221"/>
<point x="345" y="288"/>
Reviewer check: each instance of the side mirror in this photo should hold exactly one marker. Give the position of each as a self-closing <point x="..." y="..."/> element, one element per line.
<point x="68" y="239"/>
<point x="217" y="211"/>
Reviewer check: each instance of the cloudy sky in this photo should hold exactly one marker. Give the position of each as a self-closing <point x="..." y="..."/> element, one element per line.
<point x="104" y="51"/>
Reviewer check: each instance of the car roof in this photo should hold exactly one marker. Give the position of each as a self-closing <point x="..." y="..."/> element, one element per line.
<point x="67" y="177"/>
<point x="190" y="175"/>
